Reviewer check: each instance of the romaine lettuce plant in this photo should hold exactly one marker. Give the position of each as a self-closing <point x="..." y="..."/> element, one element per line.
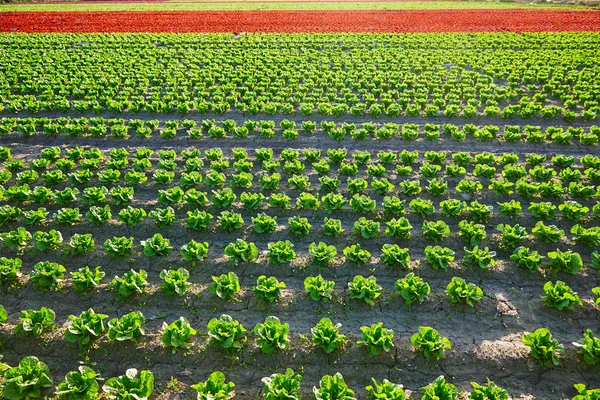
<point x="318" y="288"/>
<point x="134" y="385"/>
<point x="282" y="386"/>
<point x="119" y="246"/>
<point x="565" y="261"/>
<point x="560" y="296"/>
<point x="241" y="251"/>
<point x="86" y="327"/>
<point x="272" y="335"/>
<point x="131" y="283"/>
<point x="46" y="274"/>
<point x="430" y="342"/>
<point x="491" y="391"/>
<point x="175" y="281"/>
<point x="459" y="291"/>
<point x="128" y="327"/>
<point x="366" y="289"/>
<point x="357" y="255"/>
<point x="194" y="251"/>
<point x="394" y="256"/>
<point x="215" y="388"/>
<point x="226" y="332"/>
<point x="589" y="347"/>
<point x="412" y="288"/>
<point x="439" y="389"/>
<point x="439" y="257"/>
<point x="178" y="335"/>
<point x="156" y="246"/>
<point x="280" y="252"/>
<point x="36" y="322"/>
<point x="225" y="286"/>
<point x="327" y="335"/>
<point x="322" y="253"/>
<point x="333" y="387"/>
<point x="546" y="350"/>
<point x="86" y="278"/>
<point x="377" y="338"/>
<point x="385" y="390"/>
<point x="476" y="257"/>
<point x="27" y="380"/>
<point x="79" y="385"/>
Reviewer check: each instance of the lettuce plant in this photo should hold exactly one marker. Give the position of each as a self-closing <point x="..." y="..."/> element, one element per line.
<point x="272" y="335"/>
<point x="589" y="347"/>
<point x="385" y="390"/>
<point x="81" y="244"/>
<point x="435" y="231"/>
<point x="175" y="281"/>
<point x="365" y="289"/>
<point x="51" y="240"/>
<point x="215" y="388"/>
<point x="226" y="332"/>
<point x="327" y="335"/>
<point x="241" y="251"/>
<point x="366" y="228"/>
<point x="225" y="286"/>
<point x="282" y="386"/>
<point x="119" y="246"/>
<point x="459" y="291"/>
<point x="27" y="380"/>
<point x="398" y="228"/>
<point x="318" y="288"/>
<point x="194" y="251"/>
<point x="299" y="226"/>
<point x="471" y="232"/>
<point x="198" y="220"/>
<point x="322" y="253"/>
<point x="491" y="391"/>
<point x="333" y="387"/>
<point x="18" y="238"/>
<point x="99" y="215"/>
<point x="412" y="288"/>
<point x="36" y="322"/>
<point x="565" y="261"/>
<point x="482" y="258"/>
<point x="332" y="227"/>
<point x="67" y="216"/>
<point x="525" y="257"/>
<point x="546" y="350"/>
<point x="268" y="289"/>
<point x="81" y="384"/>
<point x="134" y="385"/>
<point x="357" y="255"/>
<point x="46" y="274"/>
<point x="86" y="278"/>
<point x="439" y="389"/>
<point x="439" y="257"/>
<point x="230" y="221"/>
<point x="560" y="296"/>
<point x="394" y="256"/>
<point x="280" y="252"/>
<point x="548" y="233"/>
<point x="162" y="216"/>
<point x="377" y="338"/>
<point x="264" y="223"/>
<point x="156" y="246"/>
<point x="128" y="327"/>
<point x="178" y="335"/>
<point x="10" y="269"/>
<point x="130" y="283"/>
<point x="430" y="342"/>
<point x="87" y="326"/>
<point x="586" y="394"/>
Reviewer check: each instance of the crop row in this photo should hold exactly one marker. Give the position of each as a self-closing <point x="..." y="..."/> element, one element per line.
<point x="32" y="377"/>
<point x="297" y="74"/>
<point x="411" y="289"/>
<point x="290" y="130"/>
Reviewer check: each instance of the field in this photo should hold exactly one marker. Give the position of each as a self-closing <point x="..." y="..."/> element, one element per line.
<point x="394" y="183"/>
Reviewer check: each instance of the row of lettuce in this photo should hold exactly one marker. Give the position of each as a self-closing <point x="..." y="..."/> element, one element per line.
<point x="327" y="75"/>
<point x="31" y="378"/>
<point x="120" y="128"/>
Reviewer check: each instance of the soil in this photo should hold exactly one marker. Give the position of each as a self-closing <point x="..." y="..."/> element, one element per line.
<point x="492" y="20"/>
<point x="486" y="339"/>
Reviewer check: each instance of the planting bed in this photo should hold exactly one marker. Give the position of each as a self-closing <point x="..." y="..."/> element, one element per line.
<point x="182" y="117"/>
<point x="303" y="21"/>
